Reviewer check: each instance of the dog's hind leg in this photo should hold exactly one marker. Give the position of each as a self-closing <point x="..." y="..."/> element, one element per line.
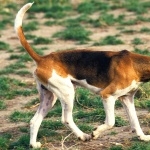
<point x="64" y="90"/>
<point x="47" y="100"/>
<point x="110" y="117"/>
<point x="128" y="103"/>
<point x="67" y="119"/>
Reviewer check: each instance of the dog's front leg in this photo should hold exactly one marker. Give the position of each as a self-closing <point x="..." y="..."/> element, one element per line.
<point x="47" y="100"/>
<point x="128" y="103"/>
<point x="110" y="117"/>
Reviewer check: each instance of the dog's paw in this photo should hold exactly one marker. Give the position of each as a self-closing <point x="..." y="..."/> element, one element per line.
<point x="144" y="137"/>
<point x="85" y="137"/>
<point x="35" y="145"/>
<point x="95" y="134"/>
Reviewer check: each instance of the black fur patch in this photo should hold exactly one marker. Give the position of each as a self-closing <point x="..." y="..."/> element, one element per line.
<point x="43" y="87"/>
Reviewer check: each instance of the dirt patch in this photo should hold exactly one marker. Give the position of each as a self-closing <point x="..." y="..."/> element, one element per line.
<point x="122" y="134"/>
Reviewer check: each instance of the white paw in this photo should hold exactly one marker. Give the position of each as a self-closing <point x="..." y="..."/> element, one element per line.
<point x="95" y="134"/>
<point x="145" y="137"/>
<point x="85" y="137"/>
<point x="36" y="145"/>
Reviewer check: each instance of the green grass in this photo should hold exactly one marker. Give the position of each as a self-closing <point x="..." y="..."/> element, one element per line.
<point x="142" y="97"/>
<point x="50" y="23"/>
<point x="6" y="22"/>
<point x="31" y="103"/>
<point x="145" y="30"/>
<point x="4" y="46"/>
<point x="52" y="125"/>
<point x="75" y="33"/>
<point x="18" y="116"/>
<point x="77" y="21"/>
<point x="10" y="88"/>
<point x="120" y="122"/>
<point x="109" y="40"/>
<point x="2" y="105"/>
<point x="4" y="143"/>
<point x="106" y="19"/>
<point x="55" y="112"/>
<point x="86" y="99"/>
<point x="130" y="31"/>
<point x="137" y="41"/>
<point x="19" y="67"/>
<point x="45" y="132"/>
<point x="21" y="144"/>
<point x="86" y="128"/>
<point x="143" y="52"/>
<point x="58" y="11"/>
<point x="90" y="116"/>
<point x="13" y="68"/>
<point x="41" y="40"/>
<point x="140" y="146"/>
<point x="31" y="26"/>
<point x="137" y="7"/>
<point x="89" y="7"/>
<point x="116" y="148"/>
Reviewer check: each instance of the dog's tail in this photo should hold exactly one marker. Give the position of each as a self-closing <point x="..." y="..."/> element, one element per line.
<point x="19" y="31"/>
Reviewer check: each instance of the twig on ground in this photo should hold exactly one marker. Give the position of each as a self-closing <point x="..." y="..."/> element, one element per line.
<point x="63" y="140"/>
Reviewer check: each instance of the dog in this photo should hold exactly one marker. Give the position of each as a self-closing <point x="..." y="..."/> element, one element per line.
<point x="111" y="75"/>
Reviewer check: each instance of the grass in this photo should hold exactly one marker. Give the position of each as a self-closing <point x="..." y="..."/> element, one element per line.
<point x="143" y="52"/>
<point x="32" y="102"/>
<point x="109" y="40"/>
<point x="21" y="143"/>
<point x="92" y="6"/>
<point x="75" y="33"/>
<point x="106" y="19"/>
<point x="137" y="41"/>
<point x="4" y="143"/>
<point x="78" y="21"/>
<point x="140" y="146"/>
<point x="119" y="122"/>
<point x="2" y="105"/>
<point x="19" y="66"/>
<point x="145" y="30"/>
<point x="21" y="116"/>
<point x="52" y="125"/>
<point x="41" y="40"/>
<point x="31" y="26"/>
<point x="4" y="46"/>
<point x="58" y="11"/>
<point x="9" y="88"/>
<point x="137" y="7"/>
<point x="116" y="148"/>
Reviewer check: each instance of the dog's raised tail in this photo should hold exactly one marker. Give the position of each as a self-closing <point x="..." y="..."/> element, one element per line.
<point x="19" y="31"/>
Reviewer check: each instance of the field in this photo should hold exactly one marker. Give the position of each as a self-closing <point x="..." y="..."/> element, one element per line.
<point x="54" y="25"/>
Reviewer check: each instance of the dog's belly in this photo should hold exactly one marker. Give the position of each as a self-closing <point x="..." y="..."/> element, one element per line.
<point x="84" y="83"/>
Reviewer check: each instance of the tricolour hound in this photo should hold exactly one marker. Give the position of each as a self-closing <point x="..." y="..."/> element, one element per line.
<point x="112" y="75"/>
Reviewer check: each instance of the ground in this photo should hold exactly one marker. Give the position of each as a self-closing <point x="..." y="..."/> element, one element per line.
<point x="123" y="135"/>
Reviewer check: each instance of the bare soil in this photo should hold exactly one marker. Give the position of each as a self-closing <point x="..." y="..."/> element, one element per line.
<point x="123" y="134"/>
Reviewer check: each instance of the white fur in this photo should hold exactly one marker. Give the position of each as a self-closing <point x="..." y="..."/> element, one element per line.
<point x="64" y="90"/>
<point x="20" y="14"/>
<point x="84" y="83"/>
<point x="47" y="100"/>
<point x="128" y="103"/>
<point x="133" y="86"/>
<point x="109" y="104"/>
